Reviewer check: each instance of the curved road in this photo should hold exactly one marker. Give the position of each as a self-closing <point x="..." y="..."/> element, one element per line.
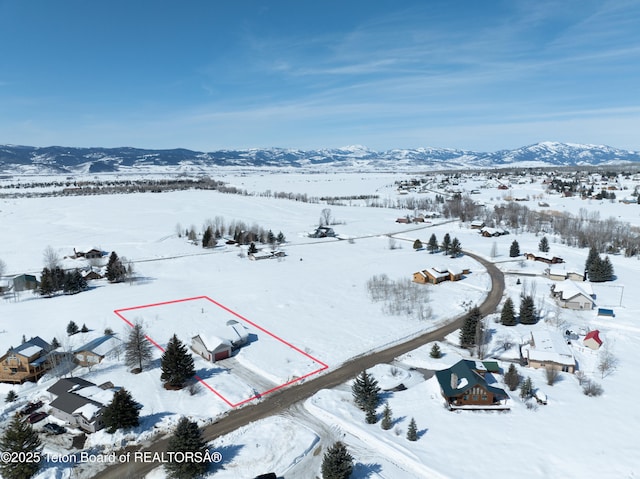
<point x="281" y="400"/>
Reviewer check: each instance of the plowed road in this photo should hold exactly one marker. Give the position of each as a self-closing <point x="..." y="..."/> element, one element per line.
<point x="281" y="400"/>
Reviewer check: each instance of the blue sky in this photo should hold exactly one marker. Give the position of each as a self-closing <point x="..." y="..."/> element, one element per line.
<point x="208" y="75"/>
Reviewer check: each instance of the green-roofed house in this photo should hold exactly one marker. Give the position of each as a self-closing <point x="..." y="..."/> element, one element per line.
<point x="464" y="385"/>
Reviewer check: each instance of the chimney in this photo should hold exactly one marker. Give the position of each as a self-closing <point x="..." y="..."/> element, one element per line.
<point x="454" y="381"/>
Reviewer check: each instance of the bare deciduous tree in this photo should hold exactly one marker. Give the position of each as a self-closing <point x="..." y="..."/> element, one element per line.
<point x="608" y="361"/>
<point x="51" y="258"/>
<point x="325" y="217"/>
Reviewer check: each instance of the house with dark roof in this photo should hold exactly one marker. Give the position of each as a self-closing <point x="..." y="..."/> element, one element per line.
<point x="465" y="385"/>
<point x="80" y="403"/>
<point x="27" y="362"/>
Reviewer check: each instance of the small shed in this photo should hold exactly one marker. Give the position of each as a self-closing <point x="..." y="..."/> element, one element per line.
<point x="24" y="282"/>
<point x="592" y="340"/>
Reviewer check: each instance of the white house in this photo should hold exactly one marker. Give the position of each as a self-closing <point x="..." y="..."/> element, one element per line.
<point x="548" y="349"/>
<point x="572" y="295"/>
<point x="210" y="347"/>
<point x="221" y="342"/>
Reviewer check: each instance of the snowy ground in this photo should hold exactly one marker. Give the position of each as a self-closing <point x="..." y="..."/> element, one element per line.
<point x="316" y="299"/>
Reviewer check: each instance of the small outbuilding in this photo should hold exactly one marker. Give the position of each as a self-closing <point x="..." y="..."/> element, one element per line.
<point x="592" y="340"/>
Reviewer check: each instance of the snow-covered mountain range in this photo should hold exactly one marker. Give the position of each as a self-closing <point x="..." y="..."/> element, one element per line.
<point x="57" y="159"/>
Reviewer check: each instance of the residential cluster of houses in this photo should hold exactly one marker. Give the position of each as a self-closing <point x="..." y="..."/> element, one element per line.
<point x="418" y="218"/>
<point x="33" y="358"/>
<point x="470" y="384"/>
<point x="487" y="231"/>
<point x="438" y="274"/>
<point x="29" y="282"/>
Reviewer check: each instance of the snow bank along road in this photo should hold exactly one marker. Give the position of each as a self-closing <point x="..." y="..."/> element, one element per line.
<point x="281" y="400"/>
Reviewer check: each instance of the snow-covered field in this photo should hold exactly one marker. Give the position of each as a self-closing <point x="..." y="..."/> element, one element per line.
<point x="316" y="300"/>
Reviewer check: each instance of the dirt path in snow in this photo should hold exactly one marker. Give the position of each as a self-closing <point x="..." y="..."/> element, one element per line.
<point x="281" y="400"/>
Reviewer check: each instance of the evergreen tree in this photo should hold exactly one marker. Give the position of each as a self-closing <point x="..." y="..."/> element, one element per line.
<point x="508" y="315"/>
<point x="337" y="463"/>
<point x="412" y="431"/>
<point x="186" y="438"/>
<point x="528" y="310"/>
<point x="84" y="328"/>
<point x="271" y="238"/>
<point x="456" y="248"/>
<point x="11" y="396"/>
<point x="544" y="245"/>
<point x="468" y="331"/>
<point x="177" y="364"/>
<point x="435" y="351"/>
<point x="55" y="343"/>
<point x="252" y="248"/>
<point x="366" y="392"/>
<point x="137" y="349"/>
<point x="526" y="388"/>
<point x="446" y="243"/>
<point x="72" y="328"/>
<point x="280" y="238"/>
<point x="417" y="244"/>
<point x="387" y="418"/>
<point x="514" y="250"/>
<point x="20" y="438"/>
<point x="600" y="270"/>
<point x="121" y="413"/>
<point x="57" y="278"/>
<point x="432" y="245"/>
<point x="370" y="415"/>
<point x="512" y="378"/>
<point x="46" y="287"/>
<point x="116" y="272"/>
<point x="607" y="269"/>
<point x="207" y="237"/>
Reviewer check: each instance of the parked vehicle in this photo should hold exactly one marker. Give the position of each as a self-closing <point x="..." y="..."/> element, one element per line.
<point x="31" y="407"/>
<point x="54" y="428"/>
<point x="37" y="417"/>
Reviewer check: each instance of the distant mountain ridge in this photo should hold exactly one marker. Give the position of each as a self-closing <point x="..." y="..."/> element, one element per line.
<point x="57" y="159"/>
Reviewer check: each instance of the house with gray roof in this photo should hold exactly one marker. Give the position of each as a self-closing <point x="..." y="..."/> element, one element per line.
<point x="96" y="350"/>
<point x="466" y="385"/>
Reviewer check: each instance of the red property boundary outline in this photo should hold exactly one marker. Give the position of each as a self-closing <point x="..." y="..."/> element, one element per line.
<point x="324" y="366"/>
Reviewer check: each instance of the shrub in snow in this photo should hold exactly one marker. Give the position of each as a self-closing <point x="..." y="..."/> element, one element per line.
<point x="551" y="375"/>
<point x="591" y="388"/>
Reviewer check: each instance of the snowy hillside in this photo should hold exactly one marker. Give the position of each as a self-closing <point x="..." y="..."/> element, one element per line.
<point x="55" y="159"/>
